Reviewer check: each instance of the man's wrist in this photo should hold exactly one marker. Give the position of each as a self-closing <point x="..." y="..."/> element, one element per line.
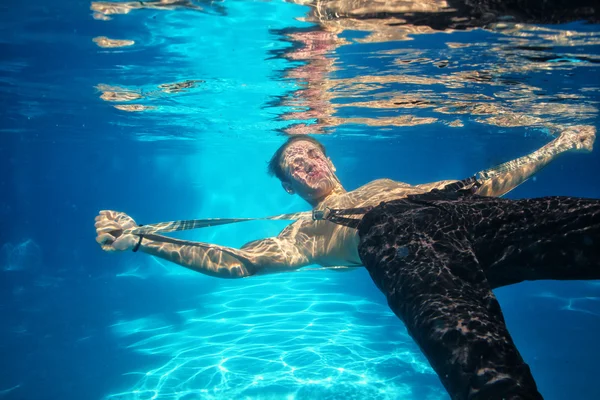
<point x="138" y="244"/>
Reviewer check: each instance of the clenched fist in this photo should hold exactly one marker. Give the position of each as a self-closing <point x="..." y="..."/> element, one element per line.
<point x="109" y="231"/>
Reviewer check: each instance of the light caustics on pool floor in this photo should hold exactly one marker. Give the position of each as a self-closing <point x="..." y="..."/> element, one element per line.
<point x="293" y="336"/>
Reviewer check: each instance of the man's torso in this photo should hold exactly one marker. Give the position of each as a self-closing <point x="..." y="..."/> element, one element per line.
<point x="336" y="245"/>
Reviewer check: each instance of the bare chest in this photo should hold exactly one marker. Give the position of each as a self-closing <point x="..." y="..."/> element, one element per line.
<point x="340" y="243"/>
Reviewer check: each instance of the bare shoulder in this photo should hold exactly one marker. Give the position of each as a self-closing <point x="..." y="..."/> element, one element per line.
<point x="384" y="183"/>
<point x="435" y="185"/>
<point x="379" y="190"/>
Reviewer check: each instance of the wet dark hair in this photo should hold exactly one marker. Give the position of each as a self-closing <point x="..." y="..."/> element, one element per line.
<point x="274" y="167"/>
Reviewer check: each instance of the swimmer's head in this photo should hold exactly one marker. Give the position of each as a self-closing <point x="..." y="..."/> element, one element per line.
<point x="302" y="166"/>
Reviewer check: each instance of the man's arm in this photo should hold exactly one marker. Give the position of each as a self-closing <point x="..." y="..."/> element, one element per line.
<point x="292" y="248"/>
<point x="269" y="255"/>
<point x="505" y="177"/>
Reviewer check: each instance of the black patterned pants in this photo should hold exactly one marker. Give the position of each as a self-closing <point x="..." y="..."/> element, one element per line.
<point x="437" y="258"/>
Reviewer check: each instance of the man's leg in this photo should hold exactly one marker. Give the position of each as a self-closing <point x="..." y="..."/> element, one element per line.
<point x="533" y="239"/>
<point x="422" y="260"/>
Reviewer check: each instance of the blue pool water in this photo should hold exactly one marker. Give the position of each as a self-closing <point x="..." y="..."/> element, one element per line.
<point x="179" y="122"/>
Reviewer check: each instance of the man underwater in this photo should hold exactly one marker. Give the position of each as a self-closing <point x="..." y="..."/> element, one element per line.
<point x="304" y="169"/>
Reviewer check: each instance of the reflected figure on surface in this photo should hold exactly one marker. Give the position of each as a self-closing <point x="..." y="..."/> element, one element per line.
<point x="404" y="90"/>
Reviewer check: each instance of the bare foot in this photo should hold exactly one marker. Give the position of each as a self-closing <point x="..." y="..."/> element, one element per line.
<point x="578" y="138"/>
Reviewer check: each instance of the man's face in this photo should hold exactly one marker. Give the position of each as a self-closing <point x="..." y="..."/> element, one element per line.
<point x="309" y="173"/>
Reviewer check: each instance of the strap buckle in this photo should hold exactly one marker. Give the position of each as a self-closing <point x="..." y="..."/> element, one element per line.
<point x="321" y="215"/>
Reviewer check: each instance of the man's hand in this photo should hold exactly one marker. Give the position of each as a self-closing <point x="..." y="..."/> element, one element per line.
<point x="578" y="138"/>
<point x="109" y="230"/>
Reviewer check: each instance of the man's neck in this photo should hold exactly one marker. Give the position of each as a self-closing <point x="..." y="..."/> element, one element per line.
<point x="337" y="191"/>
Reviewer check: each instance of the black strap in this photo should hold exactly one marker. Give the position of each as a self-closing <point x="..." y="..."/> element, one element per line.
<point x="466" y="186"/>
<point x="137" y="245"/>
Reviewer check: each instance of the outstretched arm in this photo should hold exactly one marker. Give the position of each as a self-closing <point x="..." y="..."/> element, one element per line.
<point x="289" y="250"/>
<point x="503" y="178"/>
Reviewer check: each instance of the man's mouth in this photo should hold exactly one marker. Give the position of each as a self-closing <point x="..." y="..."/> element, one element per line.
<point x="315" y="173"/>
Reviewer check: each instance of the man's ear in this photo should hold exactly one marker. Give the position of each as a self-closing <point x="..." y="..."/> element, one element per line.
<point x="288" y="187"/>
